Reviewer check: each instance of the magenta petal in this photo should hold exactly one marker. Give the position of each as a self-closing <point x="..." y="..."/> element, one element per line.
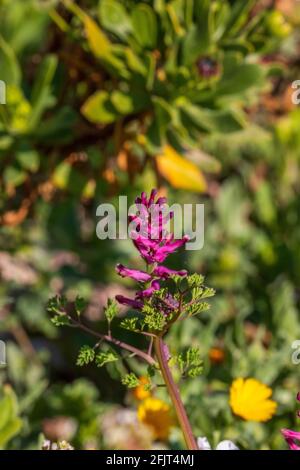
<point x="142" y="199"/>
<point x="145" y="248"/>
<point x="140" y="276"/>
<point x="130" y="302"/>
<point x="174" y="245"/>
<point x="163" y="251"/>
<point x="164" y="272"/>
<point x="152" y="197"/>
<point x="290" y="437"/>
<point x="149" y="291"/>
<point x="291" y="434"/>
<point x="161" y="200"/>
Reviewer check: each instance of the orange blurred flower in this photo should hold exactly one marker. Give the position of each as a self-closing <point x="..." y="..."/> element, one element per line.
<point x="216" y="355"/>
<point x="141" y="392"/>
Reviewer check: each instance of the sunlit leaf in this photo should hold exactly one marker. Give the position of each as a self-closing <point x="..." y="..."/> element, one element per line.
<point x="99" y="109"/>
<point x="98" y="42"/>
<point x="179" y="172"/>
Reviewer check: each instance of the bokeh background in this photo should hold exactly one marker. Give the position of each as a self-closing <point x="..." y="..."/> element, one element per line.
<point x="114" y="97"/>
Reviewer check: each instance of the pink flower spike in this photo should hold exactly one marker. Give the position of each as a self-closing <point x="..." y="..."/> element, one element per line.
<point x="130" y="302"/>
<point x="140" y="276"/>
<point x="290" y="437"/>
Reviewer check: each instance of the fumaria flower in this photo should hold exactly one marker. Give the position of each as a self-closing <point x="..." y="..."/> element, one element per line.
<point x="204" y="444"/>
<point x="292" y="437"/>
<point x="250" y="399"/>
<point x="157" y="415"/>
<point x="154" y="244"/>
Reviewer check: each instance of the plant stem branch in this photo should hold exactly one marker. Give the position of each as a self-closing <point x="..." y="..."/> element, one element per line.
<point x="117" y="342"/>
<point x="183" y="420"/>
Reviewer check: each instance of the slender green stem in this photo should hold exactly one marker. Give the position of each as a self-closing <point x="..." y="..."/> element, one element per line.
<point x="160" y="352"/>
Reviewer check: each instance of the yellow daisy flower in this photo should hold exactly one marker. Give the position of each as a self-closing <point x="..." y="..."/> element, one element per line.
<point x="157" y="415"/>
<point x="140" y="392"/>
<point x="250" y="399"/>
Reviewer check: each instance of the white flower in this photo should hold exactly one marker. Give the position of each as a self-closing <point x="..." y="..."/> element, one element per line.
<point x="203" y="444"/>
<point x="226" y="445"/>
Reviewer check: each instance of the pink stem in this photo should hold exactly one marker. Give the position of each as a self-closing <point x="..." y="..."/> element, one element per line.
<point x="160" y="351"/>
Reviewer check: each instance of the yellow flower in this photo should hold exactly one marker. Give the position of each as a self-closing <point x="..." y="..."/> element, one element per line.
<point x="157" y="415"/>
<point x="250" y="399"/>
<point x="140" y="392"/>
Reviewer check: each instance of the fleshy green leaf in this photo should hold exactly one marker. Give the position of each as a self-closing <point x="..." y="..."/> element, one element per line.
<point x="144" y="25"/>
<point x="114" y="17"/>
<point x="99" y="109"/>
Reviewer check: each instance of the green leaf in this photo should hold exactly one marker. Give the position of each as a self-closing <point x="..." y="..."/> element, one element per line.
<point x="41" y="97"/>
<point x="123" y="102"/>
<point x="130" y="324"/>
<point x="105" y="357"/>
<point x="58" y="128"/>
<point x="239" y="14"/>
<point x="57" y="304"/>
<point x="238" y="79"/>
<point x="111" y="310"/>
<point x="195" y="280"/>
<point x="80" y="305"/>
<point x="154" y="320"/>
<point x="13" y="176"/>
<point x="98" y="42"/>
<point x="99" y="109"/>
<point x="130" y="380"/>
<point x="134" y="63"/>
<point x="114" y="17"/>
<point x="196" y="308"/>
<point x="69" y="178"/>
<point x="144" y="25"/>
<point x="10" y="423"/>
<point x="86" y="356"/>
<point x="190" y="363"/>
<point x="61" y="175"/>
<point x="60" y="320"/>
<point x="210" y="120"/>
<point x="57" y="307"/>
<point x="164" y="114"/>
<point x="264" y="202"/>
<point x="28" y="159"/>
<point x="10" y="71"/>
<point x="197" y="39"/>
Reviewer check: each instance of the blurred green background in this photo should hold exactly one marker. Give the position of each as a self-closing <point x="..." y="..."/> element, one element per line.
<point x="114" y="97"/>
